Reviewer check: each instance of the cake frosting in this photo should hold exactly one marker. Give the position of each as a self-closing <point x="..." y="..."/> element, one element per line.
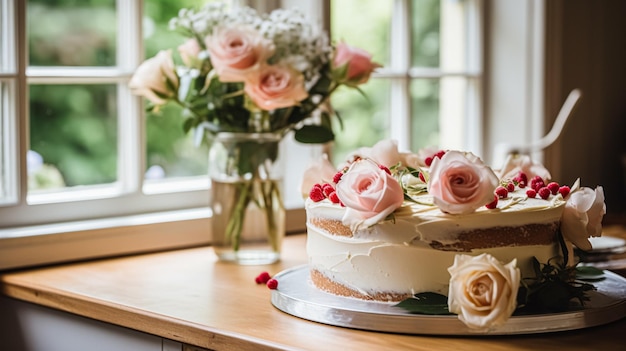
<point x="412" y="244"/>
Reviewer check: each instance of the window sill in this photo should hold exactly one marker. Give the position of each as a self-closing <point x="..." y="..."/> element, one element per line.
<point x="82" y="240"/>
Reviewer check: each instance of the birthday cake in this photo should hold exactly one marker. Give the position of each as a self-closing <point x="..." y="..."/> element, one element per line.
<point x="388" y="225"/>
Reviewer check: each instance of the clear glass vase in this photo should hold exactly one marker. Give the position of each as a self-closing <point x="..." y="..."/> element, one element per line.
<point x="248" y="223"/>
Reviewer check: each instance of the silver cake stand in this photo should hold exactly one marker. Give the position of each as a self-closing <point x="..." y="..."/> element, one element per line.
<point x="297" y="296"/>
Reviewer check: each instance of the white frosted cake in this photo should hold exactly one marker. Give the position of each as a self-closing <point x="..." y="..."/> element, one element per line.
<point x="364" y="240"/>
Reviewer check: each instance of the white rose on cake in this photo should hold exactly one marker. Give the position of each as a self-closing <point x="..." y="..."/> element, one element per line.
<point x="582" y="216"/>
<point x="483" y="291"/>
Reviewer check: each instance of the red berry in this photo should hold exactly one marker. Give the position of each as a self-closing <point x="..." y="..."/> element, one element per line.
<point x="272" y="284"/>
<point x="493" y="203"/>
<point x="337" y="177"/>
<point x="440" y="153"/>
<point x="422" y="178"/>
<point x="428" y="161"/>
<point x="544" y="193"/>
<point x="502" y="192"/>
<point x="564" y="190"/>
<point x="531" y="193"/>
<point x="510" y="187"/>
<point x="384" y="168"/>
<point x="523" y="176"/>
<point x="262" y="278"/>
<point x="334" y="198"/>
<point x="554" y="187"/>
<point x="327" y="189"/>
<point x="317" y="194"/>
<point x="522" y="183"/>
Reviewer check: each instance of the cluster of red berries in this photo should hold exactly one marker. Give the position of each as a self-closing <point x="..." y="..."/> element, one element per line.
<point x="320" y="192"/>
<point x="429" y="160"/>
<point x="537" y="186"/>
<point x="266" y="278"/>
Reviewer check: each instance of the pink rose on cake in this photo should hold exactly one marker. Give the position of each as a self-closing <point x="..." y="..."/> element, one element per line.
<point x="369" y="194"/>
<point x="516" y="163"/>
<point x="483" y="291"/>
<point x="236" y="51"/>
<point x="582" y="216"/>
<point x="320" y="171"/>
<point x="460" y="182"/>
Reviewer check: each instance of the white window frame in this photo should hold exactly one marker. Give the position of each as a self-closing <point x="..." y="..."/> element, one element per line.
<point x="58" y="237"/>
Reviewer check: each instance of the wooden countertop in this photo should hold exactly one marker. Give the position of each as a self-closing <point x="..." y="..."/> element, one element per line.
<point x="188" y="296"/>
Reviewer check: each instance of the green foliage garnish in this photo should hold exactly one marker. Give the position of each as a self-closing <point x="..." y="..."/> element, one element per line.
<point x="426" y="303"/>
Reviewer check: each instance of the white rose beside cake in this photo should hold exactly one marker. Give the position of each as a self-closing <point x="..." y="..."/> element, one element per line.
<point x="391" y="225"/>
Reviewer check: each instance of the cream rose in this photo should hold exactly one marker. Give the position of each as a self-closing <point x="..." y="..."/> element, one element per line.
<point x="516" y="163"/>
<point x="582" y="216"/>
<point x="237" y="51"/>
<point x="385" y="152"/>
<point x="369" y="193"/>
<point x="357" y="63"/>
<point x="189" y="52"/>
<point x="276" y="87"/>
<point x="460" y="182"/>
<point x="483" y="291"/>
<point x="155" y="79"/>
<point x="320" y="170"/>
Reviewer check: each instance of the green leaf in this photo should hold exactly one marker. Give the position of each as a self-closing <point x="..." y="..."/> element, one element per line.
<point x="426" y="303"/>
<point x="588" y="273"/>
<point x="313" y="134"/>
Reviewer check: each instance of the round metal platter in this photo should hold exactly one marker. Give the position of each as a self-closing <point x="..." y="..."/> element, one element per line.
<point x="297" y="296"/>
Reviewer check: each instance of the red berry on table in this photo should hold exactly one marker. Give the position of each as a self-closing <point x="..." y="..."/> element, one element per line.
<point x="544" y="193"/>
<point x="564" y="190"/>
<point x="531" y="193"/>
<point x="554" y="187"/>
<point x="502" y="192"/>
<point x="510" y="187"/>
<point x="493" y="203"/>
<point x="523" y="176"/>
<point x="262" y="278"/>
<point x="272" y="284"/>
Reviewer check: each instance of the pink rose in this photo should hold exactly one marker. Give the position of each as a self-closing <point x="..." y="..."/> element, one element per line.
<point x="155" y="78"/>
<point x="319" y="171"/>
<point x="189" y="52"/>
<point x="369" y="193"/>
<point x="516" y="163"/>
<point x="483" y="291"/>
<point x="356" y="62"/>
<point x="276" y="87"/>
<point x="238" y="51"/>
<point x="582" y="216"/>
<point x="460" y="182"/>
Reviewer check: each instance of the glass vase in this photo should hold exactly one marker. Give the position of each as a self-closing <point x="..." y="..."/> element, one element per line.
<point x="248" y="222"/>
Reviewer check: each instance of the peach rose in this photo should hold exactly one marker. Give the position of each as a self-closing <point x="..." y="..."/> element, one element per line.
<point x="189" y="52"/>
<point x="385" y="152"/>
<point x="460" y="182"/>
<point x="516" y="163"/>
<point x="357" y="63"/>
<point x="483" y="291"/>
<point x="276" y="87"/>
<point x="320" y="170"/>
<point x="155" y="79"/>
<point x="237" y="51"/>
<point x="369" y="193"/>
<point x="582" y="216"/>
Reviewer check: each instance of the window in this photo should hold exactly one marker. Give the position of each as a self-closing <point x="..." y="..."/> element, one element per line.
<point x="78" y="152"/>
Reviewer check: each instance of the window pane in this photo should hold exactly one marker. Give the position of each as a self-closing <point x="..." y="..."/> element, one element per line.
<point x="71" y="33"/>
<point x="7" y="167"/>
<point x="369" y="30"/>
<point x="365" y="120"/>
<point x="73" y="135"/>
<point x="425" y="24"/>
<point x="424" y="113"/>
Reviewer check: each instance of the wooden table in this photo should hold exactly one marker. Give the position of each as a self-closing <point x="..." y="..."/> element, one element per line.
<point x="188" y="296"/>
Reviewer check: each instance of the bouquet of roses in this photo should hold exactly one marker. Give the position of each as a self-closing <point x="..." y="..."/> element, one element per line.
<point x="246" y="72"/>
